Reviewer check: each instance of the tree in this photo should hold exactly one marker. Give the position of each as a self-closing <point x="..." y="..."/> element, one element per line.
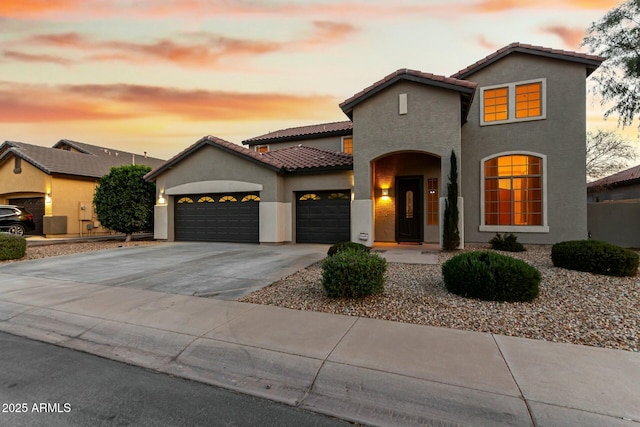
<point x="124" y="200"/>
<point x="451" y="233"/>
<point x="617" y="37"/>
<point x="607" y="153"/>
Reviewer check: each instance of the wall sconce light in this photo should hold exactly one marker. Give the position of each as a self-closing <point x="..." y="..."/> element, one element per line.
<point x="47" y="198"/>
<point x="161" y="200"/>
<point x="385" y="192"/>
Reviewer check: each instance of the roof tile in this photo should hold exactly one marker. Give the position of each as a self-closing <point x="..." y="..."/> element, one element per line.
<point x="617" y="178"/>
<point x="302" y="131"/>
<point x="302" y="157"/>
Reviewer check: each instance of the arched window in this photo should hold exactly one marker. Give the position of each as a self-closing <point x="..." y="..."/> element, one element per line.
<point x="205" y="199"/>
<point x="514" y="193"/>
<point x="185" y="200"/>
<point x="309" y="196"/>
<point x="338" y="196"/>
<point x="250" y="198"/>
<point x="227" y="199"/>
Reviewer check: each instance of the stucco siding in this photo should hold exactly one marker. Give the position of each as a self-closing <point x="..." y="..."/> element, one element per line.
<point x="333" y="143"/>
<point x="30" y="180"/>
<point x="560" y="137"/>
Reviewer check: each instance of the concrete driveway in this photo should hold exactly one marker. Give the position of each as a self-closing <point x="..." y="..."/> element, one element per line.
<point x="220" y="270"/>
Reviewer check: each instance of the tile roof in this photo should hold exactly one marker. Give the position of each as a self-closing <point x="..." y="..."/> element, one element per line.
<point x="92" y="161"/>
<point x="289" y="159"/>
<point x="465" y="88"/>
<point x="631" y="174"/>
<point x="591" y="61"/>
<point x="300" y="157"/>
<point x="303" y="132"/>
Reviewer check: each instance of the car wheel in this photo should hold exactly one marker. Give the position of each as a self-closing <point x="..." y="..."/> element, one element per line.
<point x="17" y="229"/>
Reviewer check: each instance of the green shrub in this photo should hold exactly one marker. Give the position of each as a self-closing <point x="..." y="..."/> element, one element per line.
<point x="353" y="272"/>
<point x="508" y="242"/>
<point x="595" y="256"/>
<point x="491" y="276"/>
<point x="344" y="245"/>
<point x="12" y="246"/>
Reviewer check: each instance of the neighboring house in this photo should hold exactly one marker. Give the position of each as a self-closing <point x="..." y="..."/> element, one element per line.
<point x="624" y="185"/>
<point x="57" y="184"/>
<point x="515" y="119"/>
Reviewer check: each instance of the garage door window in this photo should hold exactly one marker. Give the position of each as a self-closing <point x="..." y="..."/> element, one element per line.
<point x="338" y="196"/>
<point x="250" y="198"/>
<point x="309" y="196"/>
<point x="185" y="200"/>
<point x="205" y="199"/>
<point x="227" y="199"/>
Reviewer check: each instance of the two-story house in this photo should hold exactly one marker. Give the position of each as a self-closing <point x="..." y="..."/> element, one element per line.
<point x="515" y="120"/>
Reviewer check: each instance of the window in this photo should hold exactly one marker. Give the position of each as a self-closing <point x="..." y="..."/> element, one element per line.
<point x="205" y="199"/>
<point x="432" y="201"/>
<point x="513" y="187"/>
<point x="347" y="144"/>
<point x="250" y="198"/>
<point x="262" y="148"/>
<point x="513" y="102"/>
<point x="185" y="200"/>
<point x="227" y="199"/>
<point x="309" y="196"/>
<point x="338" y="196"/>
<point x="17" y="165"/>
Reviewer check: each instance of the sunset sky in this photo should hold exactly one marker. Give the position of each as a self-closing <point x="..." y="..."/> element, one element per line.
<point x="157" y="75"/>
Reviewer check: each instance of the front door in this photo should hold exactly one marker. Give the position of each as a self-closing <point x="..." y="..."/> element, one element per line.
<point x="409" y="211"/>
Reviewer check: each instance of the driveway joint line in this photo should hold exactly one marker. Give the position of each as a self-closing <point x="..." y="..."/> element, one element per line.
<point x="533" y="423"/>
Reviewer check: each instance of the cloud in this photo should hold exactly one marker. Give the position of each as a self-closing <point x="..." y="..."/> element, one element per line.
<point x="45" y="103"/>
<point x="483" y="42"/>
<point x="493" y="6"/>
<point x="572" y="37"/>
<point x="41" y="58"/>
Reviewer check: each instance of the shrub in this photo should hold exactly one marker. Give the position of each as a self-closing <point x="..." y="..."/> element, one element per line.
<point x="491" y="276"/>
<point x="12" y="246"/>
<point x="353" y="272"/>
<point x="508" y="242"/>
<point x="595" y="256"/>
<point x="345" y="245"/>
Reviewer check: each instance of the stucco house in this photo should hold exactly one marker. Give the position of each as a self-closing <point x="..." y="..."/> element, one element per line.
<point x="515" y="119"/>
<point x="623" y="185"/>
<point x="57" y="184"/>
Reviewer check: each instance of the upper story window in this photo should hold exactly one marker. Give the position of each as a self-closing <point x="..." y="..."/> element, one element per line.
<point x="262" y="148"/>
<point x="513" y="102"/>
<point x="347" y="144"/>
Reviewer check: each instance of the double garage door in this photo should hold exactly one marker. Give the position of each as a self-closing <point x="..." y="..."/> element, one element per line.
<point x="321" y="217"/>
<point x="223" y="217"/>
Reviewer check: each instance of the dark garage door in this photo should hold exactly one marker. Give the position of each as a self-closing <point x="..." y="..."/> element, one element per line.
<point x="323" y="216"/>
<point x="228" y="217"/>
<point x="35" y="205"/>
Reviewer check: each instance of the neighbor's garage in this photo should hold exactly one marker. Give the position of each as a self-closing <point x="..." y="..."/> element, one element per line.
<point x="34" y="205"/>
<point x="228" y="217"/>
<point x="323" y="216"/>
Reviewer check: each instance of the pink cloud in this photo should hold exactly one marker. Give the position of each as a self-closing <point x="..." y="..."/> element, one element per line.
<point x="483" y="42"/>
<point x="41" y="58"/>
<point x="572" y="37"/>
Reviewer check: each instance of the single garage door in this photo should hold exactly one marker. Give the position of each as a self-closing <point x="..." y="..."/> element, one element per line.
<point x="228" y="217"/>
<point x="323" y="216"/>
<point x="35" y="205"/>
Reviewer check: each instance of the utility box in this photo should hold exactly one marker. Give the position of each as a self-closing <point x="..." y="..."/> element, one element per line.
<point x="85" y="211"/>
<point x="54" y="225"/>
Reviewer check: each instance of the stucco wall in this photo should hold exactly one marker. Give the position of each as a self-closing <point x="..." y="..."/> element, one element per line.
<point x="30" y="180"/>
<point x="615" y="222"/>
<point x="66" y="197"/>
<point x="561" y="137"/>
<point x="333" y="143"/>
<point x="622" y="192"/>
<point x="431" y="125"/>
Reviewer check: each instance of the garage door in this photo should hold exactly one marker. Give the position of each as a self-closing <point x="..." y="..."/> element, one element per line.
<point x="35" y="205"/>
<point x="228" y="217"/>
<point x="323" y="216"/>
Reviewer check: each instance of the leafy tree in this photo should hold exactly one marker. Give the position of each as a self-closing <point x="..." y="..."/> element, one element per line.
<point x="607" y="153"/>
<point x="617" y="37"/>
<point x="451" y="233"/>
<point x="124" y="200"/>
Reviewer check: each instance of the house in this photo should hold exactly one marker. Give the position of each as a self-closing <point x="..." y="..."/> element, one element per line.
<point x="57" y="184"/>
<point x="515" y="119"/>
<point x="624" y="185"/>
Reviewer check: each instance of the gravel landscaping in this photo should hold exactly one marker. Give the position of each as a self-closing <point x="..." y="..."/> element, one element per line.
<point x="573" y="307"/>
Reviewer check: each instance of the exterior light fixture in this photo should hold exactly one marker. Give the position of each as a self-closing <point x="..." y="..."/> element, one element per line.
<point x="161" y="199"/>
<point x="47" y="198"/>
<point x="385" y="192"/>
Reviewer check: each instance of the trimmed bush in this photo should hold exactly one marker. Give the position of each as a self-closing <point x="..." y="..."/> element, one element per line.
<point x="491" y="276"/>
<point x="353" y="272"/>
<point x="12" y="246"/>
<point x="595" y="256"/>
<point x="508" y="242"/>
<point x="347" y="245"/>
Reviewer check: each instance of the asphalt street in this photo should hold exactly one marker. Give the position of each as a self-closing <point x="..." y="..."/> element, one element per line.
<point x="45" y="385"/>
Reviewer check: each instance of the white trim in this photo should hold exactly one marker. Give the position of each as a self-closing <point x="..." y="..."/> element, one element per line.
<point x="511" y="102"/>
<point x="218" y="186"/>
<point x="544" y="228"/>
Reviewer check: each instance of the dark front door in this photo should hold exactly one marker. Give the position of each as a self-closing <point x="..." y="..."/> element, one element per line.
<point x="409" y="210"/>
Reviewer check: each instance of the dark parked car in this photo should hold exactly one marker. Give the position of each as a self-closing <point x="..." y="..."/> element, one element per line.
<point x="16" y="220"/>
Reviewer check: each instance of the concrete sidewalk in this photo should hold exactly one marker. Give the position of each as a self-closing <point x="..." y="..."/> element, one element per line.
<point x="368" y="371"/>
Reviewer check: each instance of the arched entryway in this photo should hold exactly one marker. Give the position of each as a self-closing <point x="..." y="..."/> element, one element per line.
<point x="406" y="190"/>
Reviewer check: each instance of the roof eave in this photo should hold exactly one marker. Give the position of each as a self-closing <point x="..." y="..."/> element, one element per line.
<point x="341" y="132"/>
<point x="317" y="170"/>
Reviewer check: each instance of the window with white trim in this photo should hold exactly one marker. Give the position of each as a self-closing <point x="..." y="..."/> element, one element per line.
<point x="262" y="148"/>
<point x="513" y="102"/>
<point x="514" y="196"/>
<point x="347" y="144"/>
